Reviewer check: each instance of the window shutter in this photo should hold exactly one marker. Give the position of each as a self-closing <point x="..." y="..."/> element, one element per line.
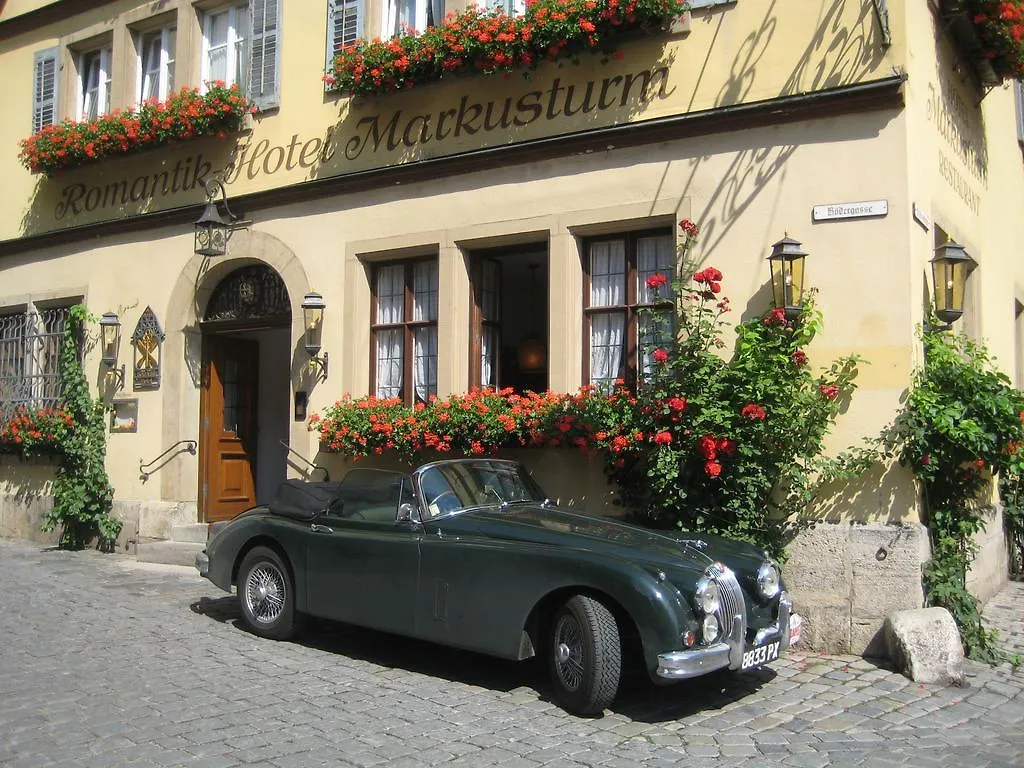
<point x="44" y="88"/>
<point x="1018" y="89"/>
<point x="344" y="24"/>
<point x="263" y="61"/>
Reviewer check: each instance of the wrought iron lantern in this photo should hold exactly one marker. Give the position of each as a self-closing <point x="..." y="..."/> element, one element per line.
<point x="313" y="307"/>
<point x="950" y="267"/>
<point x="110" y="343"/>
<point x="213" y="230"/>
<point x="787" y="264"/>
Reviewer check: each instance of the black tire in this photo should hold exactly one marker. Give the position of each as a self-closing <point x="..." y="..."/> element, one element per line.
<point x="585" y="656"/>
<point x="266" y="594"/>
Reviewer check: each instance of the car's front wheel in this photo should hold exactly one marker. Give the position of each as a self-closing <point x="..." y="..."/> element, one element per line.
<point x="585" y="655"/>
<point x="266" y="594"/>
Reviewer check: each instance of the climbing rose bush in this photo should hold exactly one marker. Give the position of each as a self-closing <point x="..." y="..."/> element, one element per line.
<point x="705" y="441"/>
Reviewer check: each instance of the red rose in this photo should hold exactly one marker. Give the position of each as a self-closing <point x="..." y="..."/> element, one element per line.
<point x="660" y="356"/>
<point x="753" y="412"/>
<point x="712" y="468"/>
<point x="726" y="446"/>
<point x="799" y="357"/>
<point x="663" y="438"/>
<point x="656" y="280"/>
<point x="829" y="391"/>
<point x="708" y="447"/>
<point x="677" y="404"/>
<point x="689" y="228"/>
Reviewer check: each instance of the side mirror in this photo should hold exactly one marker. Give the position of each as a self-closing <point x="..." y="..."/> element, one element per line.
<point x="407" y="514"/>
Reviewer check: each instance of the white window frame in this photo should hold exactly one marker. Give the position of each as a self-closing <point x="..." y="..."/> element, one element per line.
<point x="166" y="38"/>
<point x="101" y="94"/>
<point x="510" y="7"/>
<point x="238" y="22"/>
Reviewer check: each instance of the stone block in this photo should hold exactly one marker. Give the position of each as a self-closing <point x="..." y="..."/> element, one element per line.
<point x="819" y="560"/>
<point x="826" y="626"/>
<point x="989" y="569"/>
<point x="924" y="644"/>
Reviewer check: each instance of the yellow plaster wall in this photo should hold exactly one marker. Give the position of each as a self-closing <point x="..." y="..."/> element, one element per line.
<point x="741" y="54"/>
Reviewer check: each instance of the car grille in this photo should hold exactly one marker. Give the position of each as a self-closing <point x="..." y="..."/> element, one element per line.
<point x="732" y="604"/>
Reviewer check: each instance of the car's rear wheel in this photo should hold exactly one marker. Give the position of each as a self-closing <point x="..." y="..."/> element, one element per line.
<point x="585" y="655"/>
<point x="266" y="594"/>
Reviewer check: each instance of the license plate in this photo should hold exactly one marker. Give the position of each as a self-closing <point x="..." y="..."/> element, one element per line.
<point x="755" y="657"/>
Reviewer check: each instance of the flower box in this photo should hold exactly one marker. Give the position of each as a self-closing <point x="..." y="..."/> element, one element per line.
<point x="487" y="41"/>
<point x="186" y="115"/>
<point x="990" y="35"/>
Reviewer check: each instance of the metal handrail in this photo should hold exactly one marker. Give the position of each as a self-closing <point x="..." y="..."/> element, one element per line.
<point x="327" y="475"/>
<point x="190" y="447"/>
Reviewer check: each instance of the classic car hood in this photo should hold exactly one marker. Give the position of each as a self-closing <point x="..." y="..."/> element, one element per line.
<point x="553" y="525"/>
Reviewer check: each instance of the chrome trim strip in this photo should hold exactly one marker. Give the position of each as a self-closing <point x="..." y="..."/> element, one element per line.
<point x="780" y="627"/>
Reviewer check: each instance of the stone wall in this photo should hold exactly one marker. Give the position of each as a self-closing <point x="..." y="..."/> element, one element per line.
<point x="989" y="571"/>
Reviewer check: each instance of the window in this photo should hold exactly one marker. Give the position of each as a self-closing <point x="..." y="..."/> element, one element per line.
<point x="156" y="63"/>
<point x="410" y="14"/>
<point x="619" y="337"/>
<point x="404" y="327"/>
<point x="1018" y="91"/>
<point x="44" y="88"/>
<point x="344" y="25"/>
<point x="510" y="7"/>
<point x="94" y="83"/>
<point x="225" y="51"/>
<point x="30" y="342"/>
<point x="240" y="46"/>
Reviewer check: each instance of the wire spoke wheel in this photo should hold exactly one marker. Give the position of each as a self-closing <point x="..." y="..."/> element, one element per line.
<point x="266" y="594"/>
<point x="585" y="655"/>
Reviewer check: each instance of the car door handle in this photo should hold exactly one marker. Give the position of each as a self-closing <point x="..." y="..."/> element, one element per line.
<point x="317" y="528"/>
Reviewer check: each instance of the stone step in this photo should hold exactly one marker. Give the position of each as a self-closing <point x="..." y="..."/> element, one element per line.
<point x="168" y="552"/>
<point x="189" y="533"/>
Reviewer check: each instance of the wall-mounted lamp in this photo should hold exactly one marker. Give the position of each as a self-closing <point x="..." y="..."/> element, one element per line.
<point x="787" y="263"/>
<point x="213" y="230"/>
<point x="950" y="267"/>
<point x="110" y="343"/>
<point x="313" y="307"/>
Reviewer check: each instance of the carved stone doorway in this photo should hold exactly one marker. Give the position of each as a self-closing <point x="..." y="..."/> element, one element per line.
<point x="245" y="392"/>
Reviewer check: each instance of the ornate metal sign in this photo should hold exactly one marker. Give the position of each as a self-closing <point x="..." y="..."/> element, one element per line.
<point x="146" y="341"/>
<point x="249" y="293"/>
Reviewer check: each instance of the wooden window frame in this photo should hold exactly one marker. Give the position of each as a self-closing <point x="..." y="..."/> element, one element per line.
<point x="631" y="307"/>
<point x="408" y="325"/>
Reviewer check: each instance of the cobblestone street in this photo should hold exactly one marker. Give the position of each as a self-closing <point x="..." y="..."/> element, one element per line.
<point x="106" y="662"/>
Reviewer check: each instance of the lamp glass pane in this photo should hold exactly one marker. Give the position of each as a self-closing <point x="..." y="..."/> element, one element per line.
<point x="795" y="282"/>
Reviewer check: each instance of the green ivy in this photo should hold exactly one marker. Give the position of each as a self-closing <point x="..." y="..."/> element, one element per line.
<point x="959" y="427"/>
<point x="82" y="494"/>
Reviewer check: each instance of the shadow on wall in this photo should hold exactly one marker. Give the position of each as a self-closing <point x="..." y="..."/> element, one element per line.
<point x="26" y="493"/>
<point x="839" y="53"/>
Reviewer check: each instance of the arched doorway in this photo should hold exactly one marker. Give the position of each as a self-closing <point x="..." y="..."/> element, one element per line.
<point x="245" y="391"/>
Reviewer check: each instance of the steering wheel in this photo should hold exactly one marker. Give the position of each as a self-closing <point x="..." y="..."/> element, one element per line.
<point x="441" y="495"/>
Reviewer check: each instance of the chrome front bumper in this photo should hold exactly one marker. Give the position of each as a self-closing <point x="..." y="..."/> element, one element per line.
<point x="679" y="665"/>
<point x="203" y="563"/>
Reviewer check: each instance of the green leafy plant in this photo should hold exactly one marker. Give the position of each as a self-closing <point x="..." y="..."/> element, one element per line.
<point x="187" y="114"/>
<point x="82" y="494"/>
<point x="487" y="41"/>
<point x="960" y="426"/>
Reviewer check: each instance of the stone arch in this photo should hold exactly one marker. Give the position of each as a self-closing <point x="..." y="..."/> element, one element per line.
<point x="183" y="347"/>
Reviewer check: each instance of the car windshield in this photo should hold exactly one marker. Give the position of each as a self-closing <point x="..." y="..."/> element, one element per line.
<point x="452" y="486"/>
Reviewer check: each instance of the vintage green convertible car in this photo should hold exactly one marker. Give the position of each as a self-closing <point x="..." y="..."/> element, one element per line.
<point x="470" y="553"/>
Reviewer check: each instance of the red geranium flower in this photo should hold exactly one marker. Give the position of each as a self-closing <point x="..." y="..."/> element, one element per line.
<point x="656" y="280"/>
<point x="712" y="468"/>
<point x="663" y="438"/>
<point x="660" y="356"/>
<point x="753" y="412"/>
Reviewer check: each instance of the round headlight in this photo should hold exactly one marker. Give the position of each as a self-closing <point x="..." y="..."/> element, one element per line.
<point x="768" y="580"/>
<point x="709" y="630"/>
<point x="707" y="596"/>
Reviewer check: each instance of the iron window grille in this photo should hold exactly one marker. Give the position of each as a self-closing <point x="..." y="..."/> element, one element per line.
<point x="30" y="344"/>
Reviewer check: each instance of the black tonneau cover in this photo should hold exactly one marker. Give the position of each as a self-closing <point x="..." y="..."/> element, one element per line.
<point x="303" y="500"/>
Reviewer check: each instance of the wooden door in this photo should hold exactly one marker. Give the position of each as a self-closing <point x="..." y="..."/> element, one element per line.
<point x="228" y="399"/>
